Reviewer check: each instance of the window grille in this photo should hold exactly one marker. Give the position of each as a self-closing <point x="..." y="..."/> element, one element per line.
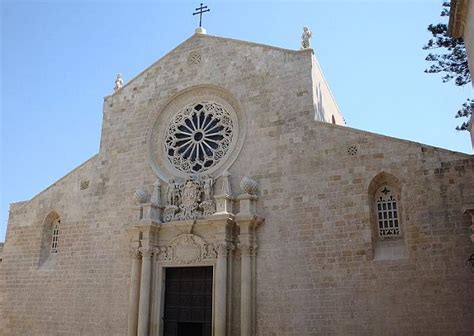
<point x="55" y="237"/>
<point x="352" y="150"/>
<point x="387" y="213"/>
<point x="194" y="58"/>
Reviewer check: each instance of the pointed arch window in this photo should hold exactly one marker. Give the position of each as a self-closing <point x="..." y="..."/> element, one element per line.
<point x="386" y="207"/>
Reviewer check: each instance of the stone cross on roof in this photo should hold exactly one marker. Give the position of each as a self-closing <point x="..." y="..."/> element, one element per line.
<point x="200" y="10"/>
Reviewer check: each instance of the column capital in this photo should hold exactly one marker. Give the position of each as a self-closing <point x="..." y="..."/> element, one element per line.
<point x="224" y="248"/>
<point x="146" y="252"/>
<point x="248" y="222"/>
<point x="247" y="250"/>
<point x="135" y="253"/>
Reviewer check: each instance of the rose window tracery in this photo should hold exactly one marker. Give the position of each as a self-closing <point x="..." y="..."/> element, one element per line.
<point x="198" y="137"/>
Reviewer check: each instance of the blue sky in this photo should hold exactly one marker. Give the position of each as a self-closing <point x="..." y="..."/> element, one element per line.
<point x="59" y="59"/>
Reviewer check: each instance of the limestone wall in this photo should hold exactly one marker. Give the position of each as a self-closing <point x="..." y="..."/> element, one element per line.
<point x="71" y="292"/>
<point x="316" y="274"/>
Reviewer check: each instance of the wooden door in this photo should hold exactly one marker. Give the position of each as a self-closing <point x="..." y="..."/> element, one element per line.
<point x="188" y="301"/>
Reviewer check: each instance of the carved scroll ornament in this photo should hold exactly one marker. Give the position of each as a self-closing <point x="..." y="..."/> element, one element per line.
<point x="186" y="249"/>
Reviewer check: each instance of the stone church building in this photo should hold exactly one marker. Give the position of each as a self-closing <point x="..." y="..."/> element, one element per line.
<point x="228" y="197"/>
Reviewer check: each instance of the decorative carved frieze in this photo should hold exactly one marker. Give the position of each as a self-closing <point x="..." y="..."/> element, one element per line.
<point x="186" y="249"/>
<point x="209" y="252"/>
<point x="163" y="253"/>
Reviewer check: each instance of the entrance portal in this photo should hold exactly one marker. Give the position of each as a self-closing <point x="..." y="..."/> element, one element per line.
<point x="188" y="301"/>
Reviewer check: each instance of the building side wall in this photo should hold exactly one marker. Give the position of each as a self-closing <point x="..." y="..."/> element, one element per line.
<point x="315" y="269"/>
<point x="81" y="290"/>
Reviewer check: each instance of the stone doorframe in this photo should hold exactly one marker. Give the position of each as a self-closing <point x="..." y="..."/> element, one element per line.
<point x="204" y="242"/>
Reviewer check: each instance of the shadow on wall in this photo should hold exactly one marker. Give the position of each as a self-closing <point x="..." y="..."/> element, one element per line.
<point x="318" y="106"/>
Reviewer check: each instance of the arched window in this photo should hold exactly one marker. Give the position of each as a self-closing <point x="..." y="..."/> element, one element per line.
<point x="386" y="207"/>
<point x="384" y="195"/>
<point x="50" y="240"/>
<point x="55" y="235"/>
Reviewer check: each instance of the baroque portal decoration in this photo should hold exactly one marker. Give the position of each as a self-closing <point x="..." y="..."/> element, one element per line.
<point x="186" y="249"/>
<point x="198" y="137"/>
<point x="191" y="199"/>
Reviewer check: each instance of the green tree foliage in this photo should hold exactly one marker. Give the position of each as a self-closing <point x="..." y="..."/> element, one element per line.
<point x="450" y="59"/>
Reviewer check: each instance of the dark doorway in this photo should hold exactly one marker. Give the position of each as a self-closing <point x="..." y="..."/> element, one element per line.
<point x="188" y="301"/>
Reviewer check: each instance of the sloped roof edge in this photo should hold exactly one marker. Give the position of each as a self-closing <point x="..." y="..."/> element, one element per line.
<point x="198" y="35"/>
<point x="392" y="138"/>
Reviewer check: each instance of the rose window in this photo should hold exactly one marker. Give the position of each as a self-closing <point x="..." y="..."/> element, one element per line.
<point x="198" y="137"/>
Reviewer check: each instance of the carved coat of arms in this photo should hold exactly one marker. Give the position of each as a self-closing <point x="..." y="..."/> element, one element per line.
<point x="191" y="199"/>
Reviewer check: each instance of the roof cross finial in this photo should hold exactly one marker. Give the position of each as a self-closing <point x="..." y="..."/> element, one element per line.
<point x="200" y="10"/>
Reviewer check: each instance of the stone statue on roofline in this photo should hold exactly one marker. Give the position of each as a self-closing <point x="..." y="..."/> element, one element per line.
<point x="305" y="38"/>
<point x="118" y="82"/>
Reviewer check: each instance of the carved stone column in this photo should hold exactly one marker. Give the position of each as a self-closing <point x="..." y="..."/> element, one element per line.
<point x="221" y="290"/>
<point x="134" y="293"/>
<point x="144" y="309"/>
<point x="246" y="289"/>
<point x="158" y="313"/>
<point x="247" y="221"/>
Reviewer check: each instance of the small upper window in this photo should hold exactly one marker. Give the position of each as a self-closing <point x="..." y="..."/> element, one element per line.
<point x="55" y="235"/>
<point x="386" y="208"/>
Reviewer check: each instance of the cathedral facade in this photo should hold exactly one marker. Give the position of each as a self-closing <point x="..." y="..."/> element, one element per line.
<point x="228" y="197"/>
